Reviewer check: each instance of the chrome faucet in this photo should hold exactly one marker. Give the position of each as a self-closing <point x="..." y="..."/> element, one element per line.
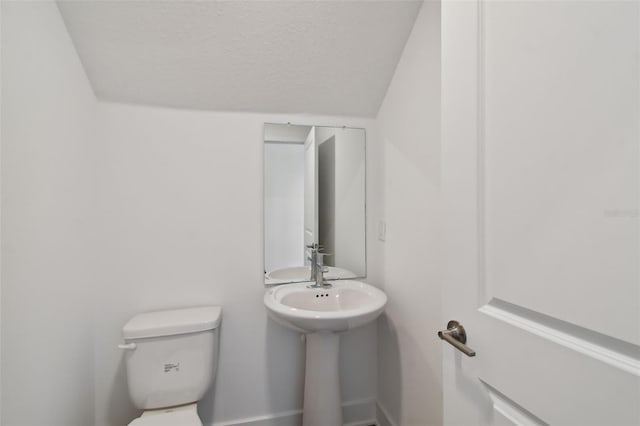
<point x="316" y="257"/>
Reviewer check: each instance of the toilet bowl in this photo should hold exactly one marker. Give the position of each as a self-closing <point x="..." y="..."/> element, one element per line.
<point x="184" y="415"/>
<point x="171" y="359"/>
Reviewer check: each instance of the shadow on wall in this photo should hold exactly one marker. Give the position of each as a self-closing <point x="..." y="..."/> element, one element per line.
<point x="391" y="378"/>
<point x="409" y="384"/>
<point x="283" y="344"/>
<point x="205" y="405"/>
<point x="120" y="409"/>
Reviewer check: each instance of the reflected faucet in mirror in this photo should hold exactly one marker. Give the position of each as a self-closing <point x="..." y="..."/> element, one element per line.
<point x="316" y="257"/>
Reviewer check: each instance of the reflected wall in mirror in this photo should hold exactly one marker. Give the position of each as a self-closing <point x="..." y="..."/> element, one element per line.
<point x="314" y="192"/>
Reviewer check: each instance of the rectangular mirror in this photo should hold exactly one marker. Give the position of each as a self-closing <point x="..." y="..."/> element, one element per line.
<point x="314" y="192"/>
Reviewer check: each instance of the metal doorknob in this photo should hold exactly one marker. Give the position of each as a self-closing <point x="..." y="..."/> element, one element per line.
<point x="456" y="336"/>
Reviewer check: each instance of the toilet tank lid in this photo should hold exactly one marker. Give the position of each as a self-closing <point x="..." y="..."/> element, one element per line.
<point x="173" y="322"/>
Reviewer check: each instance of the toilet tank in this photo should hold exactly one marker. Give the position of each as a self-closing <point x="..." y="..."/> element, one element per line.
<point x="171" y="356"/>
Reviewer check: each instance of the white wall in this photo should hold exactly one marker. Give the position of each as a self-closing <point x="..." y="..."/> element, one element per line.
<point x="180" y="206"/>
<point x="48" y="285"/>
<point x="283" y="205"/>
<point x="408" y="123"/>
<point x="109" y="210"/>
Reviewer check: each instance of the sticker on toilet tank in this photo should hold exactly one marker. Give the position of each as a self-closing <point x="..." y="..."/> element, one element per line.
<point x="171" y="367"/>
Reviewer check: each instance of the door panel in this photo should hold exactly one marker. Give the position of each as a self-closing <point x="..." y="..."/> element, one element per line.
<point x="560" y="102"/>
<point x="540" y="183"/>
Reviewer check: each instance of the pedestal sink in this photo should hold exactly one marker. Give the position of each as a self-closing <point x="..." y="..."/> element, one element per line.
<point x="321" y="313"/>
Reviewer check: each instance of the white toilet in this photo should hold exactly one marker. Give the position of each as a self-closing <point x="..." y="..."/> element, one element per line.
<point x="171" y="360"/>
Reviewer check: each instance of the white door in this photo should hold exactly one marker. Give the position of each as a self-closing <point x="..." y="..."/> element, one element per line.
<point x="310" y="189"/>
<point x="541" y="179"/>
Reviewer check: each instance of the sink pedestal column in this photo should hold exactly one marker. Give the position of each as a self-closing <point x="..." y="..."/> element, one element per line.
<point x="322" y="403"/>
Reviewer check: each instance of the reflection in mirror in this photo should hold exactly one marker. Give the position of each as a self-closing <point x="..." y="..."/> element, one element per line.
<point x="314" y="192"/>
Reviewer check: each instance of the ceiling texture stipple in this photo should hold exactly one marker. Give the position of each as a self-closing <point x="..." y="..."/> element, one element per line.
<point x="315" y="57"/>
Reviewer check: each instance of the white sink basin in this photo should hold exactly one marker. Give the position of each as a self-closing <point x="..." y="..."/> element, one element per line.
<point x="321" y="313"/>
<point x="303" y="273"/>
<point x="346" y="305"/>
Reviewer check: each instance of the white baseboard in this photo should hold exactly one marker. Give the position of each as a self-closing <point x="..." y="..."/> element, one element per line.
<point x="361" y="412"/>
<point x="284" y="418"/>
<point x="354" y="413"/>
<point x="383" y="417"/>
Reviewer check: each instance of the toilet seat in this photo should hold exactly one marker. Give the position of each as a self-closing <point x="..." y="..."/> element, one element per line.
<point x="184" y="415"/>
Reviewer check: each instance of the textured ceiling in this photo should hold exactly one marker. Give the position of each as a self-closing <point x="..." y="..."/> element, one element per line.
<point x="322" y="57"/>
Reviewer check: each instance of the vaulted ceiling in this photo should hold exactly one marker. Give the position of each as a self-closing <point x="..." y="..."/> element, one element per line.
<point x="318" y="57"/>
